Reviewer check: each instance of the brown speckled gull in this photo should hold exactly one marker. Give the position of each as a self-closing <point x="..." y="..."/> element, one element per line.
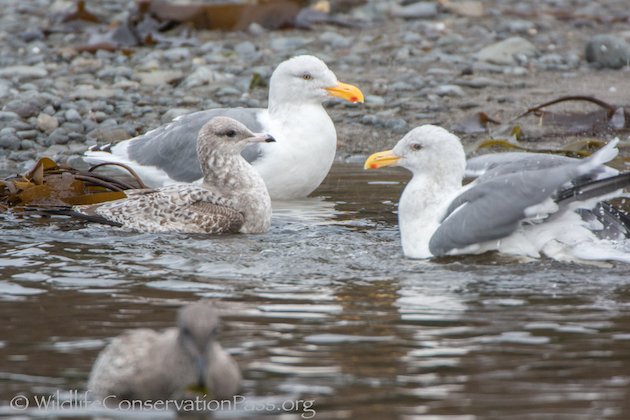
<point x="144" y="364"/>
<point x="232" y="196"/>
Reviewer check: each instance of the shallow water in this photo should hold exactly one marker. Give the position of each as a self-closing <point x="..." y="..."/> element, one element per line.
<point x="322" y="308"/>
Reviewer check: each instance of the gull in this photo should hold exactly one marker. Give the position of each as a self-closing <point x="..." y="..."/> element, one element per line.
<point x="144" y="364"/>
<point x="231" y="197"/>
<point x="532" y="212"/>
<point x="293" y="167"/>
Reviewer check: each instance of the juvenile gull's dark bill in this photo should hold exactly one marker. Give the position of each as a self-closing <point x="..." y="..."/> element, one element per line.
<point x="293" y="167"/>
<point x="231" y="198"/>
<point x="537" y="210"/>
<point x="145" y="364"/>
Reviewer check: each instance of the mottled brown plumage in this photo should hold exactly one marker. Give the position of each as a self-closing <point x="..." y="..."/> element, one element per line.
<point x="231" y="198"/>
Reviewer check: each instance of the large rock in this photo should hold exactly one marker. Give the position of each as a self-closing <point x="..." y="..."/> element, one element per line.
<point x="506" y="51"/>
<point x="608" y="51"/>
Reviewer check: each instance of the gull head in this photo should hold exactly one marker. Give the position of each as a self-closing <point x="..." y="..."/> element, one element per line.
<point x="228" y="136"/>
<point x="198" y="325"/>
<point x="307" y="79"/>
<point x="425" y="149"/>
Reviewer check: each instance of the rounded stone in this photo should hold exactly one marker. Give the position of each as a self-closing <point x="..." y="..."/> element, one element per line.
<point x="46" y="123"/>
<point x="608" y="51"/>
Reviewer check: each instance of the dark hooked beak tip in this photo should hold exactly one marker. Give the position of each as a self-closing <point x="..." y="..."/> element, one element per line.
<point x="270" y="139"/>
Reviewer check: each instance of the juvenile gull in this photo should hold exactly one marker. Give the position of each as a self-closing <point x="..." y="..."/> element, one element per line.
<point x="231" y="198"/>
<point x="528" y="212"/>
<point x="145" y="364"/>
<point x="292" y="167"/>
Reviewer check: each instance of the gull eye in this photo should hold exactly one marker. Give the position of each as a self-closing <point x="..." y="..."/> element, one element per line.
<point x="415" y="147"/>
<point x="230" y="133"/>
<point x="307" y="76"/>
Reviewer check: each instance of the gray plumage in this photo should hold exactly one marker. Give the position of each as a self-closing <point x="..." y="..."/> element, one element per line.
<point x="498" y="202"/>
<point x="536" y="210"/>
<point x="293" y="167"/>
<point x="144" y="364"/>
<point x="231" y="198"/>
<point x="499" y="164"/>
<point x="171" y="147"/>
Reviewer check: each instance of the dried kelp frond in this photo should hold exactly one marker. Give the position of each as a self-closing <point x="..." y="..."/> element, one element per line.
<point x="51" y="185"/>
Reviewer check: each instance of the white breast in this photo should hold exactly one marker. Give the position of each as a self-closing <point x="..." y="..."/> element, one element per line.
<point x="302" y="155"/>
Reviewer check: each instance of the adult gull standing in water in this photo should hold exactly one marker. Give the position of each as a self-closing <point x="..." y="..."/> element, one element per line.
<point x="231" y="198"/>
<point x="529" y="212"/>
<point x="294" y="166"/>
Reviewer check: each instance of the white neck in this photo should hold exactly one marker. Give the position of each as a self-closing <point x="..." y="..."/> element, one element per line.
<point x="422" y="206"/>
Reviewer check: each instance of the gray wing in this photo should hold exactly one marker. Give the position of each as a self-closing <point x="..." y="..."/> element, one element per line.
<point x="492" y="165"/>
<point x="494" y="208"/>
<point x="172" y="147"/>
<point x="495" y="164"/>
<point x="173" y="208"/>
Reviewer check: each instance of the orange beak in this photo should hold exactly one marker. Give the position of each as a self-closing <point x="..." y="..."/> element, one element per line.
<point x="347" y="92"/>
<point x="381" y="160"/>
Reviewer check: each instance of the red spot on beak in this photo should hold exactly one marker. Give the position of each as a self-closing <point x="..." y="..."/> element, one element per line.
<point x="354" y="99"/>
<point x="374" y="166"/>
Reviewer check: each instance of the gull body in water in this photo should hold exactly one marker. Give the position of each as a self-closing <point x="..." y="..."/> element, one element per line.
<point x="231" y="197"/>
<point x="293" y="167"/>
<point x="528" y="212"/>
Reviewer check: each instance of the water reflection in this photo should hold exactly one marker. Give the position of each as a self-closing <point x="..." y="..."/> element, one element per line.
<point x="324" y="307"/>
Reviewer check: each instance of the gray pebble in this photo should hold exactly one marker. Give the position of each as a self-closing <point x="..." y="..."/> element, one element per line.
<point x="450" y="90"/>
<point x="49" y="109"/>
<point x="76" y="136"/>
<point x="73" y="127"/>
<point x="203" y="75"/>
<point x="5" y="88"/>
<point x="228" y="91"/>
<point x="73" y="115"/>
<point x="118" y="71"/>
<point x="335" y="40"/>
<point x="24" y="155"/>
<point x="374" y="100"/>
<point x="504" y="52"/>
<point x="245" y="48"/>
<point x="519" y="26"/>
<point x="58" y="136"/>
<point x="397" y="125"/>
<point x="27" y="134"/>
<point x="8" y="139"/>
<point x="177" y="54"/>
<point x="370" y="120"/>
<point x="256" y="29"/>
<point x="288" y="43"/>
<point x="99" y="116"/>
<point x="109" y="123"/>
<point x="24" y="108"/>
<point x="108" y="135"/>
<point x="89" y="125"/>
<point x="20" y="125"/>
<point x="6" y="116"/>
<point x="22" y="72"/>
<point x="28" y="144"/>
<point x="418" y="10"/>
<point x="608" y="51"/>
